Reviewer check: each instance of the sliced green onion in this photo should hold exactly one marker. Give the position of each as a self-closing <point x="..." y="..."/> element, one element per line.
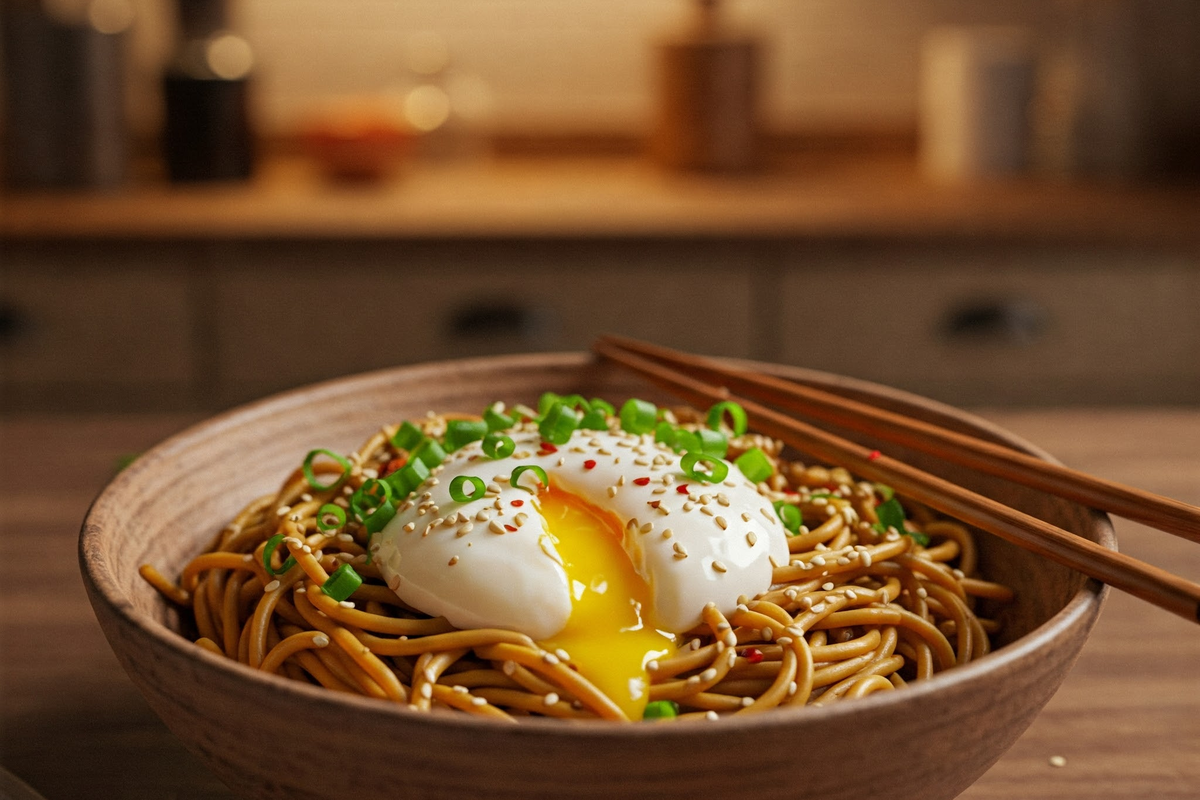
<point x="342" y="583"/>
<point x="497" y="421"/>
<point x="463" y="431"/>
<point x="311" y="477"/>
<point x="519" y="471"/>
<point x="686" y="441"/>
<point x="478" y="486"/>
<point x="372" y="494"/>
<point x="559" y="422"/>
<point x="638" y="416"/>
<point x="885" y="491"/>
<point x="661" y="709"/>
<point x="547" y="400"/>
<point x="603" y="405"/>
<point x="737" y="417"/>
<point x="755" y="465"/>
<point x="690" y="462"/>
<point x="268" y="551"/>
<point x="664" y="432"/>
<point x="429" y="452"/>
<point x="407" y="436"/>
<point x="594" y="420"/>
<point x="789" y="515"/>
<point x="407" y="478"/>
<point x="891" y="515"/>
<point x="330" y="518"/>
<point x="497" y="445"/>
<point x="712" y="442"/>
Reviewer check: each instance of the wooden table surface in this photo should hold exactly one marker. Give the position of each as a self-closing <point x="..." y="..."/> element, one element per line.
<point x="1127" y="721"/>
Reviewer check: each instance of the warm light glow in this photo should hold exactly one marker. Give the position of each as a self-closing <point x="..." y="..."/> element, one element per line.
<point x="427" y="107"/>
<point x="110" y="16"/>
<point x="229" y="56"/>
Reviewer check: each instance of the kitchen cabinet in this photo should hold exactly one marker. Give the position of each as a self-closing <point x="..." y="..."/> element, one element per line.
<point x="1019" y="292"/>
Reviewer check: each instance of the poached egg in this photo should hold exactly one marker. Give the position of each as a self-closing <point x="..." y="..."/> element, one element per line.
<point x="608" y="564"/>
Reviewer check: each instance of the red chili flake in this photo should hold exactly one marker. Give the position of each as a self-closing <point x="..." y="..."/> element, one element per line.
<point x="874" y="454"/>
<point x="753" y="655"/>
<point x="392" y="466"/>
<point x="589" y="464"/>
<point x="653" y="503"/>
<point x="641" y="481"/>
<point x="682" y="488"/>
<point x="548" y="448"/>
<point x="518" y="503"/>
<point x="510" y="528"/>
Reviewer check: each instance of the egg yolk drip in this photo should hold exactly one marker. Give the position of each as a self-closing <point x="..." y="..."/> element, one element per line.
<point x="605" y="636"/>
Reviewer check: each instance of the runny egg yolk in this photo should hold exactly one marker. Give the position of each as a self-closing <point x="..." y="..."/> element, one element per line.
<point x="605" y="636"/>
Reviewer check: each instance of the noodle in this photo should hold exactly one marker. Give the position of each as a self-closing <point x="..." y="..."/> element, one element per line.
<point x="854" y="611"/>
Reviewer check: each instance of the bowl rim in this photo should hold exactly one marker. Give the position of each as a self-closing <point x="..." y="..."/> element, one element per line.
<point x="1082" y="609"/>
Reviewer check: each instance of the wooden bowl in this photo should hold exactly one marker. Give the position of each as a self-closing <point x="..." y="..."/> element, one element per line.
<point x="267" y="737"/>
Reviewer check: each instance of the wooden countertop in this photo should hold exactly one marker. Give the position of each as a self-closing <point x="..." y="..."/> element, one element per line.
<point x="819" y="195"/>
<point x="1127" y="720"/>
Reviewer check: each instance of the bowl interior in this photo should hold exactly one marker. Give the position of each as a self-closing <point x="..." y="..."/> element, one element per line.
<point x="172" y="501"/>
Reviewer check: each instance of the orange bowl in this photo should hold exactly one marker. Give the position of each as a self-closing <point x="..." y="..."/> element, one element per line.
<point x="268" y="737"/>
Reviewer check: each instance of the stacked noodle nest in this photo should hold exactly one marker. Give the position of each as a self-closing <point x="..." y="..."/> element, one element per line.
<point x="929" y="740"/>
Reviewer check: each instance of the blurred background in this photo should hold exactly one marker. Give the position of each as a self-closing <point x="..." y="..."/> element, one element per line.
<point x="990" y="203"/>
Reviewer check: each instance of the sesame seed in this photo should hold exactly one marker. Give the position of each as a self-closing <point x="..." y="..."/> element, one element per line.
<point x="792" y="688"/>
<point x="561" y="461"/>
<point x="272" y="586"/>
<point x="709" y="674"/>
<point x="550" y="699"/>
<point x="620" y="479"/>
<point x="646" y="527"/>
<point x="495" y="527"/>
<point x="282" y="510"/>
<point x="520" y="519"/>
<point x="465" y="529"/>
<point x="747" y="702"/>
<point x="707" y="510"/>
<point x="767" y="514"/>
<point x="751" y="538"/>
<point x="667" y="533"/>
<point x="509" y="667"/>
<point x="827" y="586"/>
<point x="429" y="675"/>
<point x="563" y="655"/>
<point x="767" y="634"/>
<point x="819" y="561"/>
<point x="721" y="523"/>
<point x="1058" y="761"/>
<point x="719" y="567"/>
<point x="722" y="499"/>
<point x="694" y="644"/>
<point x="922" y="592"/>
<point x="784" y="640"/>
<point x="711" y="716"/>
<point x="693" y="681"/>
<point x="652" y="665"/>
<point x="843" y="561"/>
<point x="453" y="560"/>
<point x="730" y="640"/>
<point x="705" y="499"/>
<point x="851" y="594"/>
<point x="478" y="701"/>
<point x="688" y="505"/>
<point x="612" y="491"/>
<point x="346" y="604"/>
<point x="818" y="608"/>
<point x="306" y="549"/>
<point x="426" y="690"/>
<point x="550" y="658"/>
<point x="642" y="462"/>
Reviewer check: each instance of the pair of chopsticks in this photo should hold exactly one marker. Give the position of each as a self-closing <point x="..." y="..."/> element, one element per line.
<point x="703" y="381"/>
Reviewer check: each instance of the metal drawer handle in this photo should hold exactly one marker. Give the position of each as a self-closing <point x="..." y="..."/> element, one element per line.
<point x="1004" y="321"/>
<point x="504" y="319"/>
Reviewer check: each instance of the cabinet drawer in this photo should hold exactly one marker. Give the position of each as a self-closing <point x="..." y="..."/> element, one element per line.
<point x="303" y="315"/>
<point x="120" y="332"/>
<point x="1016" y="327"/>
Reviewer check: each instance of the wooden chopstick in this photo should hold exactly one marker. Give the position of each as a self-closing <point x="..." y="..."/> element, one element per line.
<point x="1118" y="570"/>
<point x="1151" y="509"/>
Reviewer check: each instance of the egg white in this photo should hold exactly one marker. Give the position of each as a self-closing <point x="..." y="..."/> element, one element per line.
<point x="490" y="562"/>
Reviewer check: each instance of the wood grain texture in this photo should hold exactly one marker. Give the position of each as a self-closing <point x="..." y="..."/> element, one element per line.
<point x="1128" y="725"/>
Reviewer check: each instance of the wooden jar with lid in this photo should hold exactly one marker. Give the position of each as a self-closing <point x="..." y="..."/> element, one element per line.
<point x="706" y="98"/>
